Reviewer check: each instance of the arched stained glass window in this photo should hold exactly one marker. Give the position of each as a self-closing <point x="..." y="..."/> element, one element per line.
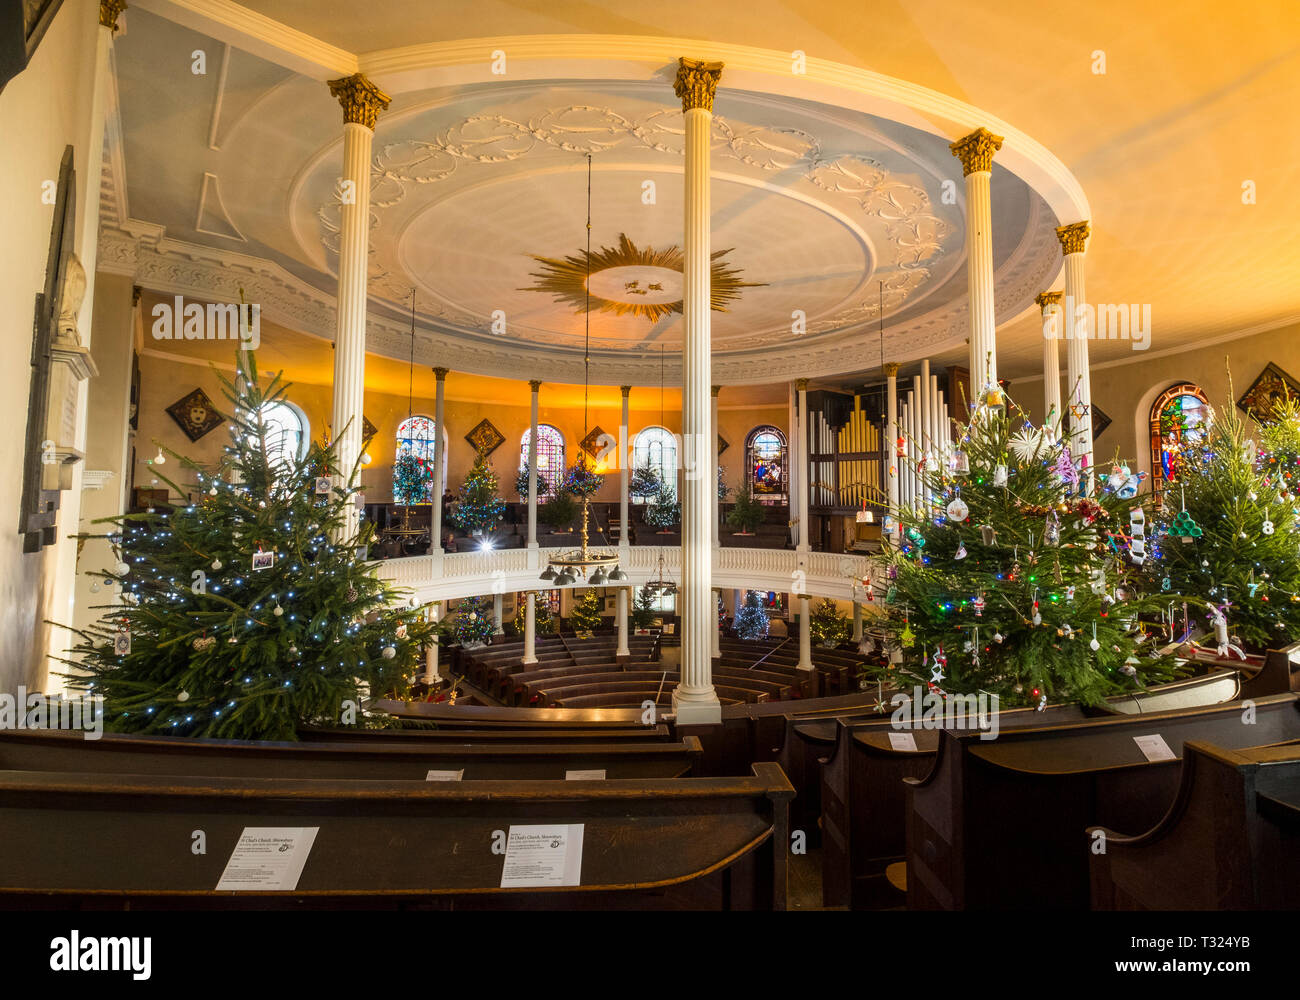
<point x="550" y="460"/>
<point x="656" y="448"/>
<point x="415" y="437"/>
<point x="765" y="457"/>
<point x="1180" y="417"/>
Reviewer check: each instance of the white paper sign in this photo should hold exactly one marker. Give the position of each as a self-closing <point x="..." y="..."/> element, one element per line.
<point x="268" y="857"/>
<point x="445" y="775"/>
<point x="1154" y="748"/>
<point x="593" y="775"/>
<point x="902" y="741"/>
<point x="542" y="856"/>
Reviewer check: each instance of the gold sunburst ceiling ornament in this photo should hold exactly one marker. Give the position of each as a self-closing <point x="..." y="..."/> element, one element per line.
<point x="628" y="280"/>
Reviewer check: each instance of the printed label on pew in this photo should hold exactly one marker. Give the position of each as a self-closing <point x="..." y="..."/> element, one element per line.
<point x="542" y="856"/>
<point x="1154" y="748"/>
<point x="445" y="775"/>
<point x="268" y="857"/>
<point x="902" y="741"/>
<point x="597" y="774"/>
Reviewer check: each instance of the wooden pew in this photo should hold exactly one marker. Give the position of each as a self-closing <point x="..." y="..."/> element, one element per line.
<point x="859" y="794"/>
<point x="1002" y="823"/>
<point x="1231" y="841"/>
<point x="124" y="842"/>
<point x="423" y="734"/>
<point x="492" y="717"/>
<point x="53" y="750"/>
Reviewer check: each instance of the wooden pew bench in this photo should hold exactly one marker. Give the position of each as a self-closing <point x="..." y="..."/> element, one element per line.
<point x="417" y="734"/>
<point x="1002" y="823"/>
<point x="532" y="760"/>
<point x="124" y="841"/>
<point x="1230" y="842"/>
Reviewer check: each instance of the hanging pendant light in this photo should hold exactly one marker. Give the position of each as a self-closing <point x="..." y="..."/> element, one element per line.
<point x="577" y="562"/>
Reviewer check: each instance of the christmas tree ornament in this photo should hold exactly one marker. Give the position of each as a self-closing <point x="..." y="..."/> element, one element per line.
<point x="388" y="652"/>
<point x="1069" y="593"/>
<point x="277" y="611"/>
<point x="957" y="510"/>
<point x="998" y="637"/>
<point x="350" y="594"/>
<point x="1037" y="618"/>
<point x="940" y="661"/>
<point x="122" y="569"/>
<point x="122" y="641"/>
<point x="960" y="466"/>
<point x="907" y="636"/>
<point x="1267" y="527"/>
<point x="1094" y="645"/>
<point x="216" y="564"/>
<point x="1052" y="532"/>
<point x="978" y="605"/>
<point x="961" y="551"/>
<point x="203" y="642"/>
<point x="182" y="696"/>
<point x="1000" y="476"/>
<point x="1137" y="548"/>
<point x="987" y="534"/>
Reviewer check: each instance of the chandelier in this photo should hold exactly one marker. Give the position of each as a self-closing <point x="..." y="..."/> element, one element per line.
<point x="565" y="568"/>
<point x="661" y="585"/>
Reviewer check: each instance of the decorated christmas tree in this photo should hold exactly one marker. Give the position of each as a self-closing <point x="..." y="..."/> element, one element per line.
<point x="751" y="618"/>
<point x="479" y="507"/>
<point x="585" y="616"/>
<point x="748" y="513"/>
<point x="826" y="626"/>
<point x="412" y="480"/>
<point x="1009" y="581"/>
<point x="645" y="482"/>
<point x="643" y="608"/>
<point x="582" y="480"/>
<point x="521" y="483"/>
<point x="246" y="612"/>
<point x="1228" y="534"/>
<point x="1279" y="457"/>
<point x="664" y="510"/>
<point x="474" y="621"/>
<point x="542" y="620"/>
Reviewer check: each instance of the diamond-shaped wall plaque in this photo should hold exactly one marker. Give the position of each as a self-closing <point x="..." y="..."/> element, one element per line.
<point x="485" y="438"/>
<point x="593" y="444"/>
<point x="722" y="444"/>
<point x="196" y="414"/>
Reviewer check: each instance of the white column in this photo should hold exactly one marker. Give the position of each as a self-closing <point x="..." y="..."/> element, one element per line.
<point x="713" y="446"/>
<point x="620" y="612"/>
<point x="805" y="467"/>
<point x="695" y="701"/>
<point x="892" y="462"/>
<point x="530" y="629"/>
<point x="497" y="600"/>
<point x="857" y="622"/>
<point x="805" y="635"/>
<point x="431" y="652"/>
<point x="905" y="463"/>
<point x="624" y="461"/>
<point x="976" y="154"/>
<point x="1050" y="304"/>
<point x="1078" y="402"/>
<point x="362" y="101"/>
<point x="435" y="520"/>
<point x="717" y="626"/>
<point x="918" y="487"/>
<point x="927" y="406"/>
<point x="792" y="462"/>
<point x="532" y="470"/>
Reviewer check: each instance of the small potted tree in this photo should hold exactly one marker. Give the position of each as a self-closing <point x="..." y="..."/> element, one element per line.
<point x="664" y="511"/>
<point x="747" y="514"/>
<point x="559" y="513"/>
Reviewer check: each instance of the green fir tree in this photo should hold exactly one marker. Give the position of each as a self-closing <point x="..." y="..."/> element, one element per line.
<point x="474" y="621"/>
<point x="751" y="618"/>
<point x="246" y="613"/>
<point x="643" y="610"/>
<point x="543" y="622"/>
<point x="479" y="507"/>
<point x="1228" y="532"/>
<point x="1009" y="581"/>
<point x="585" y="616"/>
<point x="826" y="626"/>
<point x="748" y="513"/>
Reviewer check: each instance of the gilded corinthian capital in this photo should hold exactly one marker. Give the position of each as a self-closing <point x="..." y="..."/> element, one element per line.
<point x="696" y="83"/>
<point x="362" y="100"/>
<point x="976" y="151"/>
<point x="890" y="368"/>
<point x="1045" y="299"/>
<point x="1074" y="237"/>
<point x="108" y="11"/>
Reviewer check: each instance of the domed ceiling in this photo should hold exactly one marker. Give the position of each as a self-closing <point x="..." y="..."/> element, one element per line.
<point x="821" y="217"/>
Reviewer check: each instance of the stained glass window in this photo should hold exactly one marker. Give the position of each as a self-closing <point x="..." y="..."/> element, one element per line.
<point x="286" y="433"/>
<point x="415" y="436"/>
<point x="550" y="459"/>
<point x="766" y="458"/>
<point x="1179" y="420"/>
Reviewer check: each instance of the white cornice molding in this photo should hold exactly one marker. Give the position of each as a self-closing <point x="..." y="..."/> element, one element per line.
<point x="257" y="34"/>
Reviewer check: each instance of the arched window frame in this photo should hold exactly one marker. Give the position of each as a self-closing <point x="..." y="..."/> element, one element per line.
<point x="422" y="446"/>
<point x="297" y="424"/>
<point x="550" y="452"/>
<point x="665" y="459"/>
<point x="751" y="465"/>
<point x="1159" y="481"/>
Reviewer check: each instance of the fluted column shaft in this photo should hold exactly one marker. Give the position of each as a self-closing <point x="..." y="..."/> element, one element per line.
<point x="976" y="154"/>
<point x="624" y="460"/>
<point x="530" y="629"/>
<point x="361" y="102"/>
<point x="694" y="699"/>
<point x="713" y="446"/>
<point x="1049" y="303"/>
<point x="805" y="635"/>
<point x="1078" y="403"/>
<point x="497" y="601"/>
<point x="431" y="651"/>
<point x="892" y="461"/>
